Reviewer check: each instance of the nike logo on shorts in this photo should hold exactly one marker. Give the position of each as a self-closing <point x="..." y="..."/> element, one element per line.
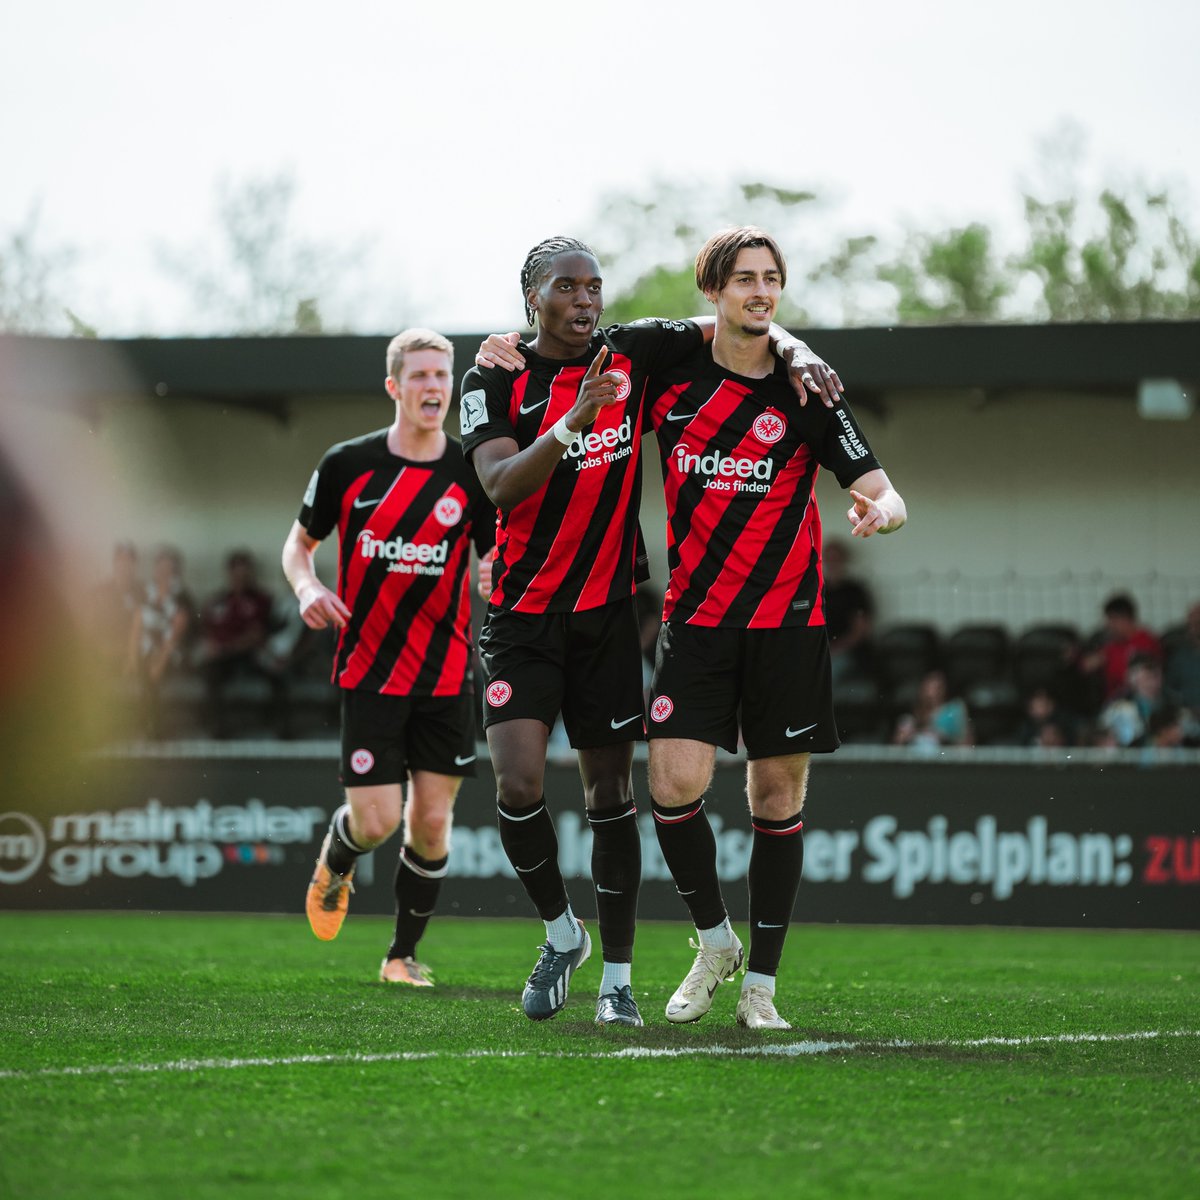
<point x="365" y="503"/>
<point x="459" y="761"/>
<point x="533" y="407"/>
<point x="618" y="724"/>
<point x="789" y="732"/>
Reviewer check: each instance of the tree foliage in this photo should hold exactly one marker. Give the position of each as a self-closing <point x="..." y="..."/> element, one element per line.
<point x="264" y="278"/>
<point x="32" y="279"/>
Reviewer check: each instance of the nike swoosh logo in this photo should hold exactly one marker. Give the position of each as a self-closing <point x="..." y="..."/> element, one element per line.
<point x="527" y="870"/>
<point x="671" y="416"/>
<point x="797" y="732"/>
<point x="764" y="925"/>
<point x="608" y="891"/>
<point x="617" y="724"/>
<point x="365" y="503"/>
<point x="533" y="407"/>
<point x="714" y="988"/>
<point x="459" y="761"/>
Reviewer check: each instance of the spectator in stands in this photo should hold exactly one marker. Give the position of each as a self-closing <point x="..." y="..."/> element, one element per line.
<point x="115" y="605"/>
<point x="162" y="629"/>
<point x="937" y="718"/>
<point x="1047" y="723"/>
<point x="1143" y="714"/>
<point x="1107" y="659"/>
<point x="1183" y="663"/>
<point x="235" y="627"/>
<point x="849" y="615"/>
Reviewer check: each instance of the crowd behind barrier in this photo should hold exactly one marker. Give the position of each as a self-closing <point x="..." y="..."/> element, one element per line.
<point x="239" y="663"/>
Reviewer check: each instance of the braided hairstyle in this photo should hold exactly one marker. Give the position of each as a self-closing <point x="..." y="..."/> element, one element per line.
<point x="537" y="265"/>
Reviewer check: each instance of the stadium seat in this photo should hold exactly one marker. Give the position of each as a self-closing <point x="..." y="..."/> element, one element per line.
<point x="1041" y="654"/>
<point x="905" y="652"/>
<point x="862" y="710"/>
<point x="995" y="708"/>
<point x="976" y="654"/>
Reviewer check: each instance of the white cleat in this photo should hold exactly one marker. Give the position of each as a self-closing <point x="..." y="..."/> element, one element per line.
<point x="756" y="1009"/>
<point x="694" y="996"/>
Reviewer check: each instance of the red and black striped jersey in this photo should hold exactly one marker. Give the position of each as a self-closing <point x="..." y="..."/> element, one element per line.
<point x="574" y="544"/>
<point x="405" y="530"/>
<point x="740" y="457"/>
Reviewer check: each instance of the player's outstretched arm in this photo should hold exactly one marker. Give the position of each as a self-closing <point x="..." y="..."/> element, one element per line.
<point x="319" y="607"/>
<point x="877" y="507"/>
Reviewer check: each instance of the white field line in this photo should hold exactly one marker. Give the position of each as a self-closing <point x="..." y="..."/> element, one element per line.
<point x="769" y="1049"/>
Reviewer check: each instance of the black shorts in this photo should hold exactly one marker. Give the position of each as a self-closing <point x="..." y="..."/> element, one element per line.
<point x="774" y="683"/>
<point x="585" y="665"/>
<point x="386" y="737"/>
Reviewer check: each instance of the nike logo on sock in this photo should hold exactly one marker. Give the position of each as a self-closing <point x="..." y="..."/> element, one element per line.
<point x="609" y="891"/>
<point x="789" y="732"/>
<point x="764" y="925"/>
<point x="527" y="870"/>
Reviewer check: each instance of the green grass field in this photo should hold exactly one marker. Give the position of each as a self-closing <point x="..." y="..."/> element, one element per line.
<point x="207" y="1056"/>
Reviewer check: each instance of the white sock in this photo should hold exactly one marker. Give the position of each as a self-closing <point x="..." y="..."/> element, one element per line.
<point x="616" y="975"/>
<point x="563" y="933"/>
<point x="754" y="979"/>
<point x="719" y="937"/>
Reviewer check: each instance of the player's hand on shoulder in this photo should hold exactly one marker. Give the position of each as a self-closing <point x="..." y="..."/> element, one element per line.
<point x="500" y="350"/>
<point x="809" y="372"/>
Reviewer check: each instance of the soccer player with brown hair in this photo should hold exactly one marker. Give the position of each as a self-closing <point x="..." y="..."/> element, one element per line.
<point x="553" y="428"/>
<point x="743" y="647"/>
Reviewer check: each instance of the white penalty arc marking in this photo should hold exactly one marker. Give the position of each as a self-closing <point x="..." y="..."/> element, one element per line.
<point x="770" y="1049"/>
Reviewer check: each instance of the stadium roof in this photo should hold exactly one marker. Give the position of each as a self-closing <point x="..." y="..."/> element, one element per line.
<point x="271" y="373"/>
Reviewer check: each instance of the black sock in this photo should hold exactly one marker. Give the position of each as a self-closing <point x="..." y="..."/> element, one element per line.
<point x="418" y="882"/>
<point x="616" y="874"/>
<point x="529" y="840"/>
<point x="687" y="843"/>
<point x="776" y="861"/>
<point x="343" y="853"/>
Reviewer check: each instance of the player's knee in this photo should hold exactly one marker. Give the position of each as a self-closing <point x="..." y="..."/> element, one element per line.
<point x="371" y="828"/>
<point x="429" y="833"/>
<point x="607" y="793"/>
<point x="518" y="789"/>
<point x="777" y="806"/>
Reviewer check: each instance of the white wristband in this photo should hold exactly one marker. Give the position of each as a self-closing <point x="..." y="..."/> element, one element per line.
<point x="560" y="431"/>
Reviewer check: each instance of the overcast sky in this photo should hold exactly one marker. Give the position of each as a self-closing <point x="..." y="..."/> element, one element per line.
<point x="451" y="136"/>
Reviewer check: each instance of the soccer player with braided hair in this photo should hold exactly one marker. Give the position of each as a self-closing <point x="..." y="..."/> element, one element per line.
<point x="553" y="427"/>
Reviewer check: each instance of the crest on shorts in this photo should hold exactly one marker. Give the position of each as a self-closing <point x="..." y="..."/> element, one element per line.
<point x="661" y="709"/>
<point x="498" y="693"/>
<point x="769" y="427"/>
<point x="621" y="379"/>
<point x="448" y="511"/>
<point x="361" y="761"/>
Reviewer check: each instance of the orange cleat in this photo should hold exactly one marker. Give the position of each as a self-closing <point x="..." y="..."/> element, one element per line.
<point x="405" y="970"/>
<point x="328" y="898"/>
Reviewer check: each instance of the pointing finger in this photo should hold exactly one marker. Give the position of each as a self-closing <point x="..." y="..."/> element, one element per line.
<point x="597" y="364"/>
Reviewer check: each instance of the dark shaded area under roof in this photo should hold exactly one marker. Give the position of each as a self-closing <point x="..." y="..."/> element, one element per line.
<point x="268" y="373"/>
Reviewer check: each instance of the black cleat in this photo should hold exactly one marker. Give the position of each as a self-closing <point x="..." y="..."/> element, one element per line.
<point x="546" y="989"/>
<point x="618" y="1008"/>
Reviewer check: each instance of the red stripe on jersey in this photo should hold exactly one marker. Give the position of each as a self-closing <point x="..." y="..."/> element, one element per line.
<point x="776" y="600"/>
<point x="806" y="546"/>
<point x="424" y="626"/>
<point x="599" y="581"/>
<point x="517" y="398"/>
<point x="344" y="583"/>
<point x="454" y="668"/>
<point x="705" y="517"/>
<point x="560" y="558"/>
<point x="370" y="634"/>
